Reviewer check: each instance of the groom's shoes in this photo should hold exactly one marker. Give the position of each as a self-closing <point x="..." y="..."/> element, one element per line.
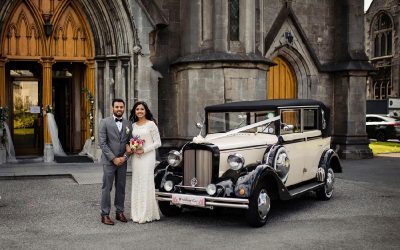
<point x="121" y="217"/>
<point x="105" y="219"/>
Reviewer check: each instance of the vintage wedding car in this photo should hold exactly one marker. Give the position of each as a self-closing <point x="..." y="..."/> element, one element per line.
<point x="252" y="152"/>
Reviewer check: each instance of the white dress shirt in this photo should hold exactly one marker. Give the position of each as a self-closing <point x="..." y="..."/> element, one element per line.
<point x="119" y="124"/>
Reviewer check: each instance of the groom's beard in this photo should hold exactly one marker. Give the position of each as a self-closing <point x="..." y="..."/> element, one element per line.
<point x="118" y="114"/>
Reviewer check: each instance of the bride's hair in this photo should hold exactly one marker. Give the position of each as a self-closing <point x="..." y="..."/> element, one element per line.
<point x="148" y="115"/>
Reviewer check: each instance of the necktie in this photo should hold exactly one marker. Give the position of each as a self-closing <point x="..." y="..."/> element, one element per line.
<point x="118" y="120"/>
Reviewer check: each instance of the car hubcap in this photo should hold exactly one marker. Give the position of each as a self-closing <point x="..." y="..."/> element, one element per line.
<point x="330" y="179"/>
<point x="264" y="204"/>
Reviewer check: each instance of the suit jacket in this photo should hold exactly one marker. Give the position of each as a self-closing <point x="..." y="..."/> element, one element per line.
<point x="111" y="141"/>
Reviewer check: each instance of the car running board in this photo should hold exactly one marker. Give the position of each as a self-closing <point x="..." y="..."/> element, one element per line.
<point x="305" y="188"/>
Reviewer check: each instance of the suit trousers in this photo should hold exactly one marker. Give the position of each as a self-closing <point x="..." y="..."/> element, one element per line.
<point x="111" y="172"/>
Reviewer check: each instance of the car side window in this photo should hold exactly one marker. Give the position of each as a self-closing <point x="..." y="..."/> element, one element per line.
<point x="290" y="121"/>
<point x="374" y="119"/>
<point x="310" y="119"/>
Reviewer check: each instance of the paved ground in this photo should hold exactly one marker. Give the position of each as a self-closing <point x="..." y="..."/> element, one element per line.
<point x="82" y="173"/>
<point x="58" y="213"/>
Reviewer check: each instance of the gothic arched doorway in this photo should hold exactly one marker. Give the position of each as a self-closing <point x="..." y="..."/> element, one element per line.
<point x="46" y="59"/>
<point x="281" y="83"/>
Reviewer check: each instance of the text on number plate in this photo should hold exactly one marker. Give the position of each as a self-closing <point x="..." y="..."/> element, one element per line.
<point x="183" y="199"/>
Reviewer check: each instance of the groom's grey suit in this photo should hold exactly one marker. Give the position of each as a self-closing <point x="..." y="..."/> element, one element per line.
<point x="112" y="143"/>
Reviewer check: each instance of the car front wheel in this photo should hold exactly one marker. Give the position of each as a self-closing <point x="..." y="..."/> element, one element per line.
<point x="259" y="206"/>
<point x="169" y="210"/>
<point x="326" y="192"/>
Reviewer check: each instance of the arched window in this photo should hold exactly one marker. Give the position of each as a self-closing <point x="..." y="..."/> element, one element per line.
<point x="382" y="82"/>
<point x="382" y="35"/>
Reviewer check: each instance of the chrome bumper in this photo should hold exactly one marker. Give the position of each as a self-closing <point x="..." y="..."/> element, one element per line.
<point x="210" y="202"/>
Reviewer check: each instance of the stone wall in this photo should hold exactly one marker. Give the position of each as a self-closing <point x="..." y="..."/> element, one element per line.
<point x="200" y="85"/>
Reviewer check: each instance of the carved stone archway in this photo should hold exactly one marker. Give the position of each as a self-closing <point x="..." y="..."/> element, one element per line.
<point x="45" y="33"/>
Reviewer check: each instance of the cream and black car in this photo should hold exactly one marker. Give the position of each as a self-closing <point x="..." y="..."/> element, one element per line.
<point x="249" y="153"/>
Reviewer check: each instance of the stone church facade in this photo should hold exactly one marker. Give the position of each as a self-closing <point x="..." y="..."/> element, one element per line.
<point x="382" y="29"/>
<point x="75" y="56"/>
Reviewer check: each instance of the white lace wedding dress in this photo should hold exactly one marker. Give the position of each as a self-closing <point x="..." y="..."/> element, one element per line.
<point x="144" y="207"/>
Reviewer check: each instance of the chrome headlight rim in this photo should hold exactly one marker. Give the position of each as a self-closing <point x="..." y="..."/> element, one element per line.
<point x="211" y="189"/>
<point x="235" y="161"/>
<point x="168" y="185"/>
<point x="174" y="158"/>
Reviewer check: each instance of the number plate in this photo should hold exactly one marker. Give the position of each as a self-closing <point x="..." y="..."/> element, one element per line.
<point x="191" y="200"/>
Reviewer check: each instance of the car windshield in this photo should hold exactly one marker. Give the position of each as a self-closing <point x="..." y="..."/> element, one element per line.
<point x="222" y="122"/>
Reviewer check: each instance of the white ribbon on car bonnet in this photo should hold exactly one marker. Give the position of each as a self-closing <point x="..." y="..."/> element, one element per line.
<point x="201" y="139"/>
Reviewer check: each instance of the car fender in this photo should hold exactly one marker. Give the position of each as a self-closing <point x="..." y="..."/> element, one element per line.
<point x="330" y="158"/>
<point x="162" y="173"/>
<point x="247" y="183"/>
<point x="270" y="159"/>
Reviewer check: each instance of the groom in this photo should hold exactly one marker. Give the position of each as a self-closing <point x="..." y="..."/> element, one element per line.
<point x="114" y="135"/>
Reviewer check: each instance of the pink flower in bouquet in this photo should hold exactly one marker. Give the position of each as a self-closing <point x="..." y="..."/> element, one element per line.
<point x="136" y="143"/>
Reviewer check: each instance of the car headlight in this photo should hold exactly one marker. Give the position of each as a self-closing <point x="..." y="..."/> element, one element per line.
<point x="235" y="161"/>
<point x="174" y="158"/>
<point x="168" y="186"/>
<point x="211" y="189"/>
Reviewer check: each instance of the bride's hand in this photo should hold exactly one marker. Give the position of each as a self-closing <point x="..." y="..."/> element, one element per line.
<point x="129" y="150"/>
<point x="139" y="151"/>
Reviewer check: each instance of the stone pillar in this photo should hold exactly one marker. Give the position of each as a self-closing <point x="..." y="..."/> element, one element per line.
<point x="47" y="99"/>
<point x="100" y="90"/>
<point x="207" y="13"/>
<point x="247" y="25"/>
<point x="125" y="82"/>
<point x="3" y="101"/>
<point x="221" y="17"/>
<point x="351" y="67"/>
<point x="191" y="28"/>
<point x="3" y="153"/>
<point x="349" y="138"/>
<point x="112" y="78"/>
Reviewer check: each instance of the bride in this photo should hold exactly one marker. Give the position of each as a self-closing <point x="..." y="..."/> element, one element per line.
<point x="144" y="207"/>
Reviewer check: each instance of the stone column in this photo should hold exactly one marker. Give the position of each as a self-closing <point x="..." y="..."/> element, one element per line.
<point x="207" y="12"/>
<point x="221" y="17"/>
<point x="351" y="68"/>
<point x="47" y="99"/>
<point x="3" y="101"/>
<point x="109" y="86"/>
<point x="191" y="28"/>
<point x="349" y="133"/>
<point x="125" y="81"/>
<point x="112" y="78"/>
<point x="3" y="153"/>
<point x="100" y="89"/>
<point x="247" y="25"/>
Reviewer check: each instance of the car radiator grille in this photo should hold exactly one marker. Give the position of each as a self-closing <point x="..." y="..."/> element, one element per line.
<point x="197" y="164"/>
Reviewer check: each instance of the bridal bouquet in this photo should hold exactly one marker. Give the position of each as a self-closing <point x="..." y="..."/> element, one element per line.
<point x="136" y="143"/>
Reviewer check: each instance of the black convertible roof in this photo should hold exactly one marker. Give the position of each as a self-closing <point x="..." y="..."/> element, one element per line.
<point x="264" y="105"/>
